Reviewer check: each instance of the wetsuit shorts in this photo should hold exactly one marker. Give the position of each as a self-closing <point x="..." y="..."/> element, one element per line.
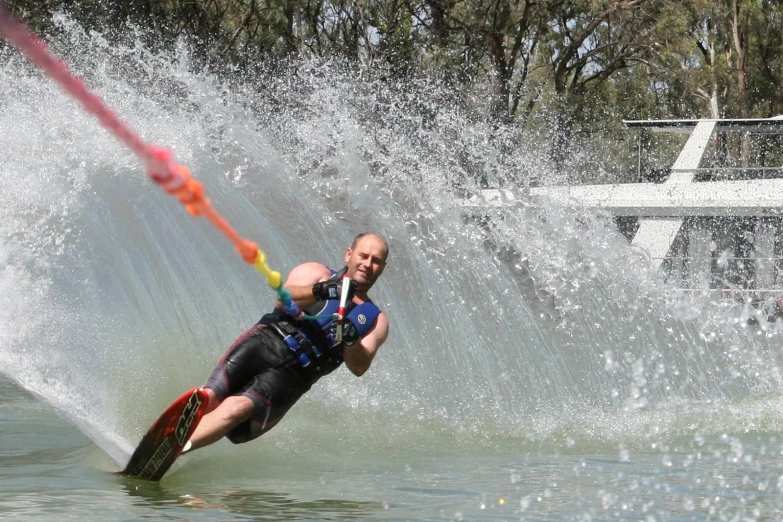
<point x="261" y="367"/>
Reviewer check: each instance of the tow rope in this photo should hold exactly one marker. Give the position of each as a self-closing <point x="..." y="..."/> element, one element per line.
<point x="161" y="167"/>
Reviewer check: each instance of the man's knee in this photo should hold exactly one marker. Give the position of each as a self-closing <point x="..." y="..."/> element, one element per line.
<point x="212" y="400"/>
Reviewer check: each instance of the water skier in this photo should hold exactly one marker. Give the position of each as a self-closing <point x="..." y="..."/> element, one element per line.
<point x="271" y="365"/>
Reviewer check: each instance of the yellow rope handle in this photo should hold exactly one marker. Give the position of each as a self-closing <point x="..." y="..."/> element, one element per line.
<point x="273" y="278"/>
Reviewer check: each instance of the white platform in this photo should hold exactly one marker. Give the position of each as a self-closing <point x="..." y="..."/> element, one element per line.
<point x="662" y="207"/>
<point x="718" y="198"/>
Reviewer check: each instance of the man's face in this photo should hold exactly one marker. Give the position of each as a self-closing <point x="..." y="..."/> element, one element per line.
<point x="366" y="262"/>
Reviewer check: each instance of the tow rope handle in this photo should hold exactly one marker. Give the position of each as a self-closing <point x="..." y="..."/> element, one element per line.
<point x="341" y="310"/>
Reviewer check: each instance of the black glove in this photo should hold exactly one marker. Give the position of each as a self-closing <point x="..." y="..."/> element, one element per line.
<point x="350" y="334"/>
<point x="331" y="289"/>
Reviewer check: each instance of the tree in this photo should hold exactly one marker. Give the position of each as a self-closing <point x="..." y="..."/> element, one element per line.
<point x="589" y="41"/>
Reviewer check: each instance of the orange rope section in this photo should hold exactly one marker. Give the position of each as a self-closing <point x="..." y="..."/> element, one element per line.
<point x="161" y="167"/>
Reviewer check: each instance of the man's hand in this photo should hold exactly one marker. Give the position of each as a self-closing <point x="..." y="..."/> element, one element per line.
<point x="350" y="334"/>
<point x="326" y="290"/>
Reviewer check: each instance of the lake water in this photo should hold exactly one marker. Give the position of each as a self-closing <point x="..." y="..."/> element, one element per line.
<point x="536" y="369"/>
<point x="50" y="470"/>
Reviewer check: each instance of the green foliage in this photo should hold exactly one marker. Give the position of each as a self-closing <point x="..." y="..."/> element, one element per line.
<point x="567" y="69"/>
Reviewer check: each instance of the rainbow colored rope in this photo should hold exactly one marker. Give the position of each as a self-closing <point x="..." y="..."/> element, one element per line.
<point x="174" y="178"/>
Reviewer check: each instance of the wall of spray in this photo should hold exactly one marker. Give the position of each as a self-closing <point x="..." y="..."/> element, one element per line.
<point x="536" y="324"/>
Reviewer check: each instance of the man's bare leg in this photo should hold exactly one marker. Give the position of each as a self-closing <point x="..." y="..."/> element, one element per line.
<point x="220" y="420"/>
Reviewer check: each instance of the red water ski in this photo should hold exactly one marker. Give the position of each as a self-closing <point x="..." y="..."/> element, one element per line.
<point x="164" y="441"/>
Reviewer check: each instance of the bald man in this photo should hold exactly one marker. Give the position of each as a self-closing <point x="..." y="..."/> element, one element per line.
<point x="270" y="366"/>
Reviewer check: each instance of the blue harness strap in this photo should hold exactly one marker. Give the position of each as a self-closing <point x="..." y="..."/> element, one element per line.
<point x="294" y="340"/>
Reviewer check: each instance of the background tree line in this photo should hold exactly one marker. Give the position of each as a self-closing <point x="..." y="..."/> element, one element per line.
<point x="573" y="67"/>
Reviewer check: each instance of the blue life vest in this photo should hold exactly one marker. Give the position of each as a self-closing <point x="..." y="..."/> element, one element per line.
<point x="312" y="341"/>
<point x="362" y="316"/>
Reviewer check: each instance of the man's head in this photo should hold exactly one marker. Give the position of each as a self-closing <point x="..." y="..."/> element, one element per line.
<point x="366" y="258"/>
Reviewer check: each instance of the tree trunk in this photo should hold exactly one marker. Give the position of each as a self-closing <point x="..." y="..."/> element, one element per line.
<point x="739" y="31"/>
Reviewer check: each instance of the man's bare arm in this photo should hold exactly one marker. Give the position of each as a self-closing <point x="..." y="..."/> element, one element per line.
<point x="358" y="357"/>
<point x="300" y="283"/>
